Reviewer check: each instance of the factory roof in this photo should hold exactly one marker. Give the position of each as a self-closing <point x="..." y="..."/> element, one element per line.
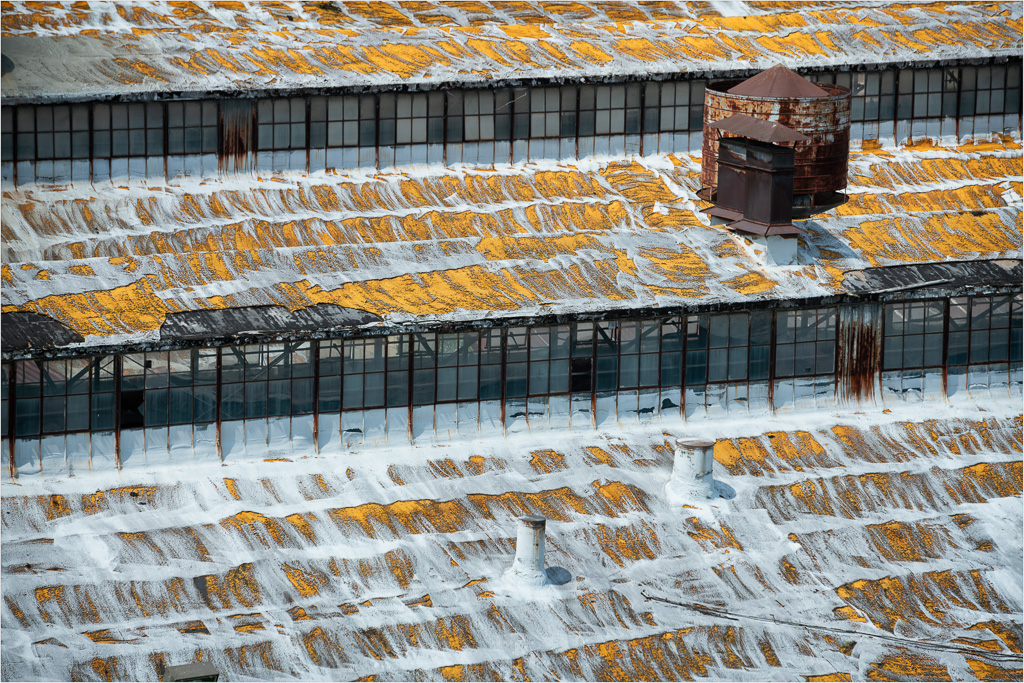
<point x="118" y="263"/>
<point x="99" y="49"/>
<point x="868" y="546"/>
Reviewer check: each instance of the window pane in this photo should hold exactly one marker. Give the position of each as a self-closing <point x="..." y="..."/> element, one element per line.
<point x="447" y="384"/>
<point x="329" y="400"/>
<point x="737" y="363"/>
<point x="397" y="389"/>
<point x="803" y="359"/>
<point x="77" y="415"/>
<point x="256" y="399"/>
<point x="180" y="406"/>
<point x="232" y="402"/>
<point x="759" y="362"/>
<point x="718" y="365"/>
<point x="278" y="397"/>
<point x="353" y="392"/>
<point x="423" y="387"/>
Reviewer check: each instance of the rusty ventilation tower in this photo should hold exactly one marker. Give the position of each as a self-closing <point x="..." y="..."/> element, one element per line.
<point x="775" y="148"/>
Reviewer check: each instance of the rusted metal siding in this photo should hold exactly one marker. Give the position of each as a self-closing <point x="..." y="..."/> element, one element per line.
<point x="237" y="133"/>
<point x="821" y="162"/>
<point x="859" y="352"/>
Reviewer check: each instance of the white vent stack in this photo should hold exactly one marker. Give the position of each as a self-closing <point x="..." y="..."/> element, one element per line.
<point x="528" y="567"/>
<point x="692" y="471"/>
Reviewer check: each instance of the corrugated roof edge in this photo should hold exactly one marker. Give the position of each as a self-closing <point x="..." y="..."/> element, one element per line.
<point x="24" y="330"/>
<point x="945" y="275"/>
<point x="160" y="91"/>
<point x="954" y="279"/>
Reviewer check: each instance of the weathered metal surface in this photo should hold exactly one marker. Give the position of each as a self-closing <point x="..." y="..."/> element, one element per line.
<point x="945" y="276"/>
<point x="84" y="49"/>
<point x="758" y="129"/>
<point x="23" y="330"/>
<point x="456" y="247"/>
<point x="259" y="320"/>
<point x="778" y="82"/>
<point x="766" y="176"/>
<point x="238" y="125"/>
<point x="821" y="161"/>
<point x="858" y="351"/>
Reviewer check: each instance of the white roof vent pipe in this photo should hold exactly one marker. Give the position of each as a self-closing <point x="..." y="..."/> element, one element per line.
<point x="692" y="472"/>
<point x="528" y="567"/>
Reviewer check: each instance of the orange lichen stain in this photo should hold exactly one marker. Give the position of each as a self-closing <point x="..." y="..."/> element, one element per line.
<point x="134" y="539"/>
<point x="799" y="449"/>
<point x="81" y="270"/>
<point x="16" y="611"/>
<point x="837" y="676"/>
<point x="709" y="538"/>
<point x="1008" y="632"/>
<point x="131" y="308"/>
<point x="742" y="456"/>
<point x="622" y="496"/>
<point x="420" y="602"/>
<point x="300" y="522"/>
<point x="108" y="669"/>
<point x="904" y="664"/>
<point x="248" y="626"/>
<point x="323" y="648"/>
<point x="599" y="456"/>
<point x="247" y="522"/>
<point x="54" y="506"/>
<point x="105" y="636"/>
<point x="298" y="614"/>
<point x="135" y="70"/>
<point x="45" y="594"/>
<point x="590" y="52"/>
<point x="430" y="516"/>
<point x="986" y="671"/>
<point x="547" y="461"/>
<point x="920" y="598"/>
<point x="750" y="283"/>
<point x="445" y="468"/>
<point x="51" y="641"/>
<point x="454" y="632"/>
<point x="401" y="566"/>
<point x="848" y="613"/>
<point x="194" y="627"/>
<point x="308" y="583"/>
<point x="232" y="488"/>
<point x="238" y="582"/>
<point x="43" y="275"/>
<point x="899" y="541"/>
<point x="632" y="543"/>
<point x="989" y="645"/>
<point x="933" y="237"/>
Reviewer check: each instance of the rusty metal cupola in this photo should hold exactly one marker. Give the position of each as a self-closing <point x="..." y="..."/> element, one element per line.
<point x="774" y="139"/>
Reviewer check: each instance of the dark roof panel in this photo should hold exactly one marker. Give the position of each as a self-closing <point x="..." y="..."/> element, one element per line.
<point x="998" y="273"/>
<point x="23" y="330"/>
<point x="758" y="129"/>
<point x="259" y="320"/>
<point x="777" y="81"/>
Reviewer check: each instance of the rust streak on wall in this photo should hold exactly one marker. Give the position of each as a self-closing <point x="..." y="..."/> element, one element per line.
<point x="858" y="359"/>
<point x="237" y="123"/>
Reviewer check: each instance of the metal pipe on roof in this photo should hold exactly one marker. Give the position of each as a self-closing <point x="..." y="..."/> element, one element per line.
<point x="692" y="470"/>
<point x="528" y="565"/>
